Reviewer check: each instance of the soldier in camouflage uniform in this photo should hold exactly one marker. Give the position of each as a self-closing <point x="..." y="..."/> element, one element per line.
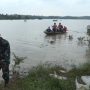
<point x="4" y="59"/>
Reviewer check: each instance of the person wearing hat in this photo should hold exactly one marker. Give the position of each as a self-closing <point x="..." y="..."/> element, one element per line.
<point x="4" y="59"/>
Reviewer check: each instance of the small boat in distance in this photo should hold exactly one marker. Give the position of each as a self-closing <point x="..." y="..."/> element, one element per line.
<point x="55" y="20"/>
<point x="25" y="20"/>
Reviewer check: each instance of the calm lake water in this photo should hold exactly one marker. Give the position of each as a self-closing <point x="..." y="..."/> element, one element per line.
<point x="27" y="39"/>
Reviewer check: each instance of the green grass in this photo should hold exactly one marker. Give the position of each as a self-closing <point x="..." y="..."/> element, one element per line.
<point x="39" y="79"/>
<point x="80" y="71"/>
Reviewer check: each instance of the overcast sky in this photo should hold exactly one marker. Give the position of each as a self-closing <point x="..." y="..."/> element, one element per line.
<point x="46" y="7"/>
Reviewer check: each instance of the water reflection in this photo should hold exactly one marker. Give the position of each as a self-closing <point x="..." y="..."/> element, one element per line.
<point x="50" y="39"/>
<point x="53" y="38"/>
<point x="70" y="37"/>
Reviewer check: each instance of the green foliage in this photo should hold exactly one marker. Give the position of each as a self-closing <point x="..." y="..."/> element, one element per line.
<point x="18" y="60"/>
<point x="39" y="79"/>
<point x="80" y="71"/>
<point x="16" y="66"/>
<point x="16" y="17"/>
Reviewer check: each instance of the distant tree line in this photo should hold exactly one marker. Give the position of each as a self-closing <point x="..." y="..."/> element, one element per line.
<point x="16" y="16"/>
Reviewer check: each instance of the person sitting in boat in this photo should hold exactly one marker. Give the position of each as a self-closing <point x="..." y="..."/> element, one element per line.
<point x="64" y="29"/>
<point x="54" y="27"/>
<point x="49" y="29"/>
<point x="60" y="27"/>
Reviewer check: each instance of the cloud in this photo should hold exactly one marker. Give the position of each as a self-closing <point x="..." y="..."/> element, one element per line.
<point x="46" y="7"/>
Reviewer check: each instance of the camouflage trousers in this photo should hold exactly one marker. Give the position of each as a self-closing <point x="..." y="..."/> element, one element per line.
<point x="5" y="70"/>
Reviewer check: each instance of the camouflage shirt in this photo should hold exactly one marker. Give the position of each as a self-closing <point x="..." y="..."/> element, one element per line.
<point x="4" y="50"/>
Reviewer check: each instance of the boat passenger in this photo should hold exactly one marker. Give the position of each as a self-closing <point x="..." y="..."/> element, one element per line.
<point x="64" y="29"/>
<point x="49" y="29"/>
<point x="60" y="27"/>
<point x="54" y="27"/>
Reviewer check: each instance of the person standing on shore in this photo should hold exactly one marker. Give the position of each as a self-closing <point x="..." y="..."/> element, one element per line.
<point x="4" y="59"/>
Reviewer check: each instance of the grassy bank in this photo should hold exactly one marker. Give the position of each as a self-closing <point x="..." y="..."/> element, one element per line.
<point x="39" y="79"/>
